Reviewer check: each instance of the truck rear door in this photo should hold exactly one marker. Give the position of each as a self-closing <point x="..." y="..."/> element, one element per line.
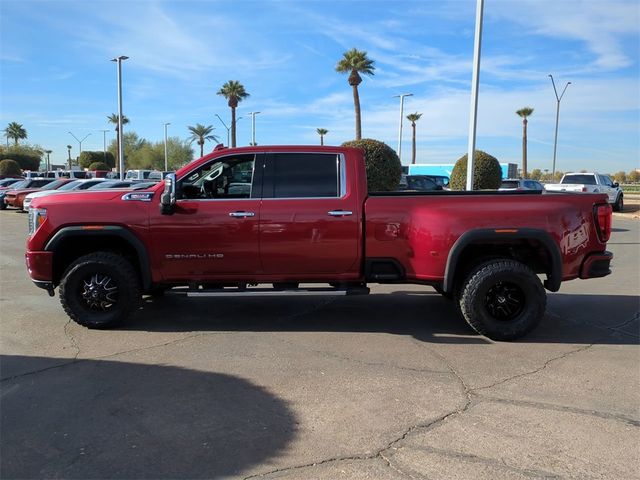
<point x="310" y="223"/>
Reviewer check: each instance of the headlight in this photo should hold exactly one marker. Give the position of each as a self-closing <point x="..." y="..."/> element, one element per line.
<point x="37" y="217"/>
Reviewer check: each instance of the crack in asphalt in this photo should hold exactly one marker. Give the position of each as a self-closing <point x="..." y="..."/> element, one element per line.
<point x="562" y="408"/>
<point x="71" y="339"/>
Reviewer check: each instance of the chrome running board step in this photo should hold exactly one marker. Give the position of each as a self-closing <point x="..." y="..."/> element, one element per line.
<point x="270" y="292"/>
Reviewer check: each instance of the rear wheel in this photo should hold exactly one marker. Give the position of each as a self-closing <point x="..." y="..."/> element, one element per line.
<point x="100" y="290"/>
<point x="502" y="299"/>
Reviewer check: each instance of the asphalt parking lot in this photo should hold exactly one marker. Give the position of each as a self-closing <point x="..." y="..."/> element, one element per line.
<point x="388" y="386"/>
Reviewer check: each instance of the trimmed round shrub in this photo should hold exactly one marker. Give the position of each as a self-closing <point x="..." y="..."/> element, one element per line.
<point x="382" y="164"/>
<point x="27" y="158"/>
<point x="487" y="173"/>
<point x="88" y="157"/>
<point x="9" y="168"/>
<point x="99" y="166"/>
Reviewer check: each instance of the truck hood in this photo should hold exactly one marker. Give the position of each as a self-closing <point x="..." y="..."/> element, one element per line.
<point x="79" y="197"/>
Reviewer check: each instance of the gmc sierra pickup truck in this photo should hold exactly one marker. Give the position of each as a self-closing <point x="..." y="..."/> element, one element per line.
<point x="264" y="220"/>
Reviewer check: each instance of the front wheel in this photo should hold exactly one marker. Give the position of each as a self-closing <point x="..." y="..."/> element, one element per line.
<point x="619" y="205"/>
<point x="100" y="290"/>
<point x="502" y="299"/>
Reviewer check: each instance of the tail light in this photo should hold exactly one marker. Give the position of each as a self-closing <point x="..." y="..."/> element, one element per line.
<point x="584" y="189"/>
<point x="603" y="214"/>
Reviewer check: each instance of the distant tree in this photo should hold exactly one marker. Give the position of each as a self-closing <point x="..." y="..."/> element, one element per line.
<point x="9" y="168"/>
<point x="201" y="134"/>
<point x="140" y="153"/>
<point x="98" y="166"/>
<point x="15" y="131"/>
<point x="413" y="118"/>
<point x="524" y="113"/>
<point x="487" y="173"/>
<point x="536" y="174"/>
<point x="620" y="177"/>
<point x="633" y="176"/>
<point x="322" y="132"/>
<point x="355" y="62"/>
<point x="28" y="157"/>
<point x="234" y="92"/>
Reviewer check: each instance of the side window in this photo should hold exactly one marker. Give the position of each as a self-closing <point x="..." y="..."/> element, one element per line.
<point x="607" y="181"/>
<point x="303" y="175"/>
<point x="222" y="178"/>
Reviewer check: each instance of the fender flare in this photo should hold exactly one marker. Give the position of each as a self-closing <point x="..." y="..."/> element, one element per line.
<point x="554" y="277"/>
<point x="108" y="231"/>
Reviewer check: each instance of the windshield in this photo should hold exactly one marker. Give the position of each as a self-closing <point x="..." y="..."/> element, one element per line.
<point x="579" y="179"/>
<point x="70" y="185"/>
<point x="509" y="184"/>
<point x="20" y="184"/>
<point x="54" y="185"/>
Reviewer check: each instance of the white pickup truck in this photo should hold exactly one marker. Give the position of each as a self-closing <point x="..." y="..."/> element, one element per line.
<point x="590" y="183"/>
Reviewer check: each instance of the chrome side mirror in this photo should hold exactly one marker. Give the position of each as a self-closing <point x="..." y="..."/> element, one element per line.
<point x="168" y="197"/>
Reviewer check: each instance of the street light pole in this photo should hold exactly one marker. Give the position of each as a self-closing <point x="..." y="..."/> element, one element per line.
<point x="166" y="158"/>
<point x="475" y="80"/>
<point x="80" y="142"/>
<point x="401" y="96"/>
<point x="555" y="141"/>
<point x="253" y="127"/>
<point x="104" y="144"/>
<point x="225" y="126"/>
<point x="119" y="60"/>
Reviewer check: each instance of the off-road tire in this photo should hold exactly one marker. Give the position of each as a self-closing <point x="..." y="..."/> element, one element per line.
<point x="619" y="205"/>
<point x="502" y="299"/>
<point x="3" y="206"/>
<point x="94" y="268"/>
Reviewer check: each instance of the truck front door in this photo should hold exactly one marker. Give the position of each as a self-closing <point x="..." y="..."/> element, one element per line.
<point x="213" y="232"/>
<point x="310" y="225"/>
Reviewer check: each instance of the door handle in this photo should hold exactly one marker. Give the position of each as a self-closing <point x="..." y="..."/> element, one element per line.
<point x="339" y="213"/>
<point x="242" y="214"/>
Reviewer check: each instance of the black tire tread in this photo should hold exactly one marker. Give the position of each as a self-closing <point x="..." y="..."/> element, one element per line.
<point x="474" y="282"/>
<point x="132" y="287"/>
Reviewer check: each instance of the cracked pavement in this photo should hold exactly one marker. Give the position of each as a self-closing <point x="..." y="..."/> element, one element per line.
<point x="389" y="386"/>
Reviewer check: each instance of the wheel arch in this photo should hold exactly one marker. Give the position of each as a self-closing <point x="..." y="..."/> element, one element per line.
<point x="534" y="247"/>
<point x="70" y="243"/>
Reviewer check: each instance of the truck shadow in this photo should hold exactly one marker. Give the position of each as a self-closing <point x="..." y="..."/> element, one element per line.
<point x="600" y="319"/>
<point x="103" y="419"/>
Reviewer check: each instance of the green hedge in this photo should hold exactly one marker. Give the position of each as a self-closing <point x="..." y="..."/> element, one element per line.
<point x="487" y="174"/>
<point x="99" y="166"/>
<point x="28" y="158"/>
<point x="9" y="168"/>
<point x="88" y="157"/>
<point x="382" y="163"/>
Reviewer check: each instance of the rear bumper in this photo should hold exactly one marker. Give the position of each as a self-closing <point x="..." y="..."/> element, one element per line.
<point x="40" y="266"/>
<point x="596" y="265"/>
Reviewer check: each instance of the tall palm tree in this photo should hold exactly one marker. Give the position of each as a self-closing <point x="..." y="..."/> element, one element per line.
<point x="524" y="113"/>
<point x="356" y="62"/>
<point x="15" y="131"/>
<point x="322" y="132"/>
<point x="113" y="118"/>
<point x="234" y="92"/>
<point x="413" y="118"/>
<point x="201" y="134"/>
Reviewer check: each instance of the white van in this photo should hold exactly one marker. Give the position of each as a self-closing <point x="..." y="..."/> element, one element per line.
<point x="143" y="175"/>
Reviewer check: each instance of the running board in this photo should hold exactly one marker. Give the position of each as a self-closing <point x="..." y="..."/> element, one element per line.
<point x="270" y="292"/>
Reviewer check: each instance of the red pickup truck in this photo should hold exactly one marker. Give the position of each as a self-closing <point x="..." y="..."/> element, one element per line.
<point x="263" y="220"/>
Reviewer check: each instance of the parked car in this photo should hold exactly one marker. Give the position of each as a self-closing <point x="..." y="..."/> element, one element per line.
<point x="73" y="185"/>
<point x="520" y="184"/>
<point x="418" y="183"/>
<point x="6" y="182"/>
<point x="26" y="183"/>
<point x="308" y="218"/>
<point x="15" y="197"/>
<point x="590" y="183"/>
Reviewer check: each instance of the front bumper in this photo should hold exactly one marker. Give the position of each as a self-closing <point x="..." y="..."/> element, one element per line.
<point x="596" y="265"/>
<point x="40" y="265"/>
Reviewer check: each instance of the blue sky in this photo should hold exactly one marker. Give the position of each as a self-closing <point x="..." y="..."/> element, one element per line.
<point x="56" y="75"/>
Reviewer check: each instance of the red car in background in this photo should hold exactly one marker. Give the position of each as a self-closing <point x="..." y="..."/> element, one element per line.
<point x="14" y="197"/>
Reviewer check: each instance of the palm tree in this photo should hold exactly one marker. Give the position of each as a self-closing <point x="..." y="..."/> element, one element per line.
<point x="201" y="134"/>
<point x="234" y="92"/>
<point x="413" y="118"/>
<point x="322" y="132"/>
<point x="113" y="118"/>
<point x="524" y="113"/>
<point x="15" y="131"/>
<point x="355" y="62"/>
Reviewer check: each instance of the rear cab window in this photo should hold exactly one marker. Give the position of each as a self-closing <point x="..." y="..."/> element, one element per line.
<point x="579" y="179"/>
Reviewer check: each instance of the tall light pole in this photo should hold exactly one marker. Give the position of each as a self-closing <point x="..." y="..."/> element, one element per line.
<point x="555" y="141"/>
<point x="225" y="126"/>
<point x="166" y="157"/>
<point x="253" y="127"/>
<point x="475" y="80"/>
<point x="80" y="142"/>
<point x="401" y="96"/>
<point x="104" y="144"/>
<point x="119" y="60"/>
<point x="48" y="152"/>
